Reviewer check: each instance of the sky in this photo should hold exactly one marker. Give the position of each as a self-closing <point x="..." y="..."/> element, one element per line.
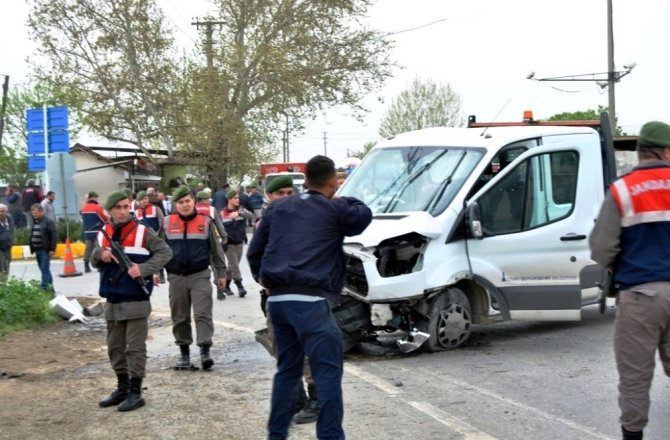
<point x="484" y="49"/>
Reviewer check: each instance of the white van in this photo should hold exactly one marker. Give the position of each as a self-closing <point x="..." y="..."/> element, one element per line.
<point x="475" y="225"/>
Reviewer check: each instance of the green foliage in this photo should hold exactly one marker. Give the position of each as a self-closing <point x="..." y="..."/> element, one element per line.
<point x="14" y="167"/>
<point x="22" y="237"/>
<point x="265" y="65"/>
<point x="75" y="228"/>
<point x="366" y="148"/>
<point x="584" y="115"/>
<point x="423" y="104"/>
<point x="23" y="304"/>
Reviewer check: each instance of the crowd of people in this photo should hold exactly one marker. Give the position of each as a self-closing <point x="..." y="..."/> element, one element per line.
<point x="296" y="255"/>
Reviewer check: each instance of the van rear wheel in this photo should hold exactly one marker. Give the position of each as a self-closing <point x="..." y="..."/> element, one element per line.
<point x="449" y="322"/>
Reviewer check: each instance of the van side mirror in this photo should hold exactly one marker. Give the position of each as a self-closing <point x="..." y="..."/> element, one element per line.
<point x="474" y="221"/>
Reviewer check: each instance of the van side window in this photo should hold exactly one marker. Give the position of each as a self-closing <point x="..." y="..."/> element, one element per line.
<point x="540" y="190"/>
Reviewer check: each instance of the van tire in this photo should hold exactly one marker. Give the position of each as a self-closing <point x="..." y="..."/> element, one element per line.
<point x="449" y="322"/>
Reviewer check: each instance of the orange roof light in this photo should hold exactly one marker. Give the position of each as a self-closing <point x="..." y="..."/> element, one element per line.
<point x="527" y="115"/>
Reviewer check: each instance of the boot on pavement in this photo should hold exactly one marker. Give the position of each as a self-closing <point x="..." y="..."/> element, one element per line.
<point x="240" y="288"/>
<point x="227" y="290"/>
<point x="119" y="394"/>
<point x="220" y="293"/>
<point x="205" y="360"/>
<point x="310" y="411"/>
<point x="87" y="266"/>
<point x="134" y="399"/>
<point x="184" y="362"/>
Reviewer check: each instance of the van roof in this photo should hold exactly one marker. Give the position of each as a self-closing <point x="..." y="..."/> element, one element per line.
<point x="477" y="137"/>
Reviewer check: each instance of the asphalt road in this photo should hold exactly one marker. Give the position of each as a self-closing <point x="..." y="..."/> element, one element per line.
<point x="512" y="381"/>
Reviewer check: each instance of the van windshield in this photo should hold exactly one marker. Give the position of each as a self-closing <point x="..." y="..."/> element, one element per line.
<point x="411" y="178"/>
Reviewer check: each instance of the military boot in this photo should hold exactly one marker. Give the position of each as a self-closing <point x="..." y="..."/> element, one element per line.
<point x="227" y="290"/>
<point x="220" y="293"/>
<point x="184" y="362"/>
<point x="87" y="266"/>
<point x="310" y="411"/>
<point x="205" y="360"/>
<point x="631" y="435"/>
<point x="240" y="288"/>
<point x="134" y="399"/>
<point x="119" y="394"/>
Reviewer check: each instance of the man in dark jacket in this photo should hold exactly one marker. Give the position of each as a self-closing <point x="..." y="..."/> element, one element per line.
<point x="31" y="194"/>
<point x="296" y="254"/>
<point x="43" y="240"/>
<point x="128" y="307"/>
<point x="6" y="242"/>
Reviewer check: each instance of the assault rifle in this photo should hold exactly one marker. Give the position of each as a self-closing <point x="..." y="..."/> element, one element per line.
<point x="123" y="260"/>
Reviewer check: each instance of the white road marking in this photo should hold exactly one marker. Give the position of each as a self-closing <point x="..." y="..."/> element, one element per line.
<point x="453" y="423"/>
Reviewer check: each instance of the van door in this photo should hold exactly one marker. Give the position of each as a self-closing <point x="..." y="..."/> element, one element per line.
<point x="536" y="216"/>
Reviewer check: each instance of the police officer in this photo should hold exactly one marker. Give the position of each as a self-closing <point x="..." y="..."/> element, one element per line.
<point x="631" y="238"/>
<point x="194" y="244"/>
<point x="127" y="308"/>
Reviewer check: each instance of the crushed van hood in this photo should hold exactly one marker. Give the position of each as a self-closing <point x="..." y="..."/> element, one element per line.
<point x="385" y="226"/>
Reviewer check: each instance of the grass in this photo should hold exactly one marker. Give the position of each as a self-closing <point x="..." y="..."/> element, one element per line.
<point x="23" y="305"/>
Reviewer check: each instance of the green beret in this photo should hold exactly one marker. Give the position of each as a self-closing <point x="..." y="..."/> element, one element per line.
<point x="655" y="134"/>
<point x="128" y="191"/>
<point x="278" y="183"/>
<point x="180" y="192"/>
<point x="202" y="195"/>
<point x="230" y="194"/>
<point x="141" y="195"/>
<point x="92" y="194"/>
<point x="115" y="198"/>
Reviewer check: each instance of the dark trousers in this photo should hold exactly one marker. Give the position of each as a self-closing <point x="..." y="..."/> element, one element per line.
<point x="44" y="263"/>
<point x="127" y="346"/>
<point x="306" y="329"/>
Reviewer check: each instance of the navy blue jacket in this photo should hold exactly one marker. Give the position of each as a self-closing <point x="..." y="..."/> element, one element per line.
<point x="298" y="246"/>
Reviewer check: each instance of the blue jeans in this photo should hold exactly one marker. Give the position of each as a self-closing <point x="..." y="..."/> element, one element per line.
<point x="44" y="263"/>
<point x="306" y="329"/>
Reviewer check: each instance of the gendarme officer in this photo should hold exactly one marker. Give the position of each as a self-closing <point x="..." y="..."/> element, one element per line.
<point x="631" y="238"/>
<point x="127" y="308"/>
<point x="195" y="245"/>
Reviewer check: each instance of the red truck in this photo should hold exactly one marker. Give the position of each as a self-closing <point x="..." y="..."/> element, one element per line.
<point x="296" y="170"/>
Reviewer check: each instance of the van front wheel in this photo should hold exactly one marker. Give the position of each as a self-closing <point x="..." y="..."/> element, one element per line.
<point x="449" y="323"/>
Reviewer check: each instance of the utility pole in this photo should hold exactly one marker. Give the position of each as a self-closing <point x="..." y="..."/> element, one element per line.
<point x="325" y="148"/>
<point x="214" y="133"/>
<point x="611" y="74"/>
<point x="603" y="79"/>
<point x="3" y="109"/>
<point x="286" y="144"/>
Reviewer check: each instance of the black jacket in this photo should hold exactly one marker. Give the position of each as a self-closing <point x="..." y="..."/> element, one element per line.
<point x="298" y="246"/>
<point x="49" y="236"/>
<point x="7" y="235"/>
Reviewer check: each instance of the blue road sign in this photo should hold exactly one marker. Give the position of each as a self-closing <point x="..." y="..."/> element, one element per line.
<point x="59" y="142"/>
<point x="37" y="163"/>
<point x="57" y="118"/>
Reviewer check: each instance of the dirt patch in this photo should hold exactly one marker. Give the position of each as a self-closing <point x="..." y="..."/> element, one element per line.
<point x="53" y="377"/>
